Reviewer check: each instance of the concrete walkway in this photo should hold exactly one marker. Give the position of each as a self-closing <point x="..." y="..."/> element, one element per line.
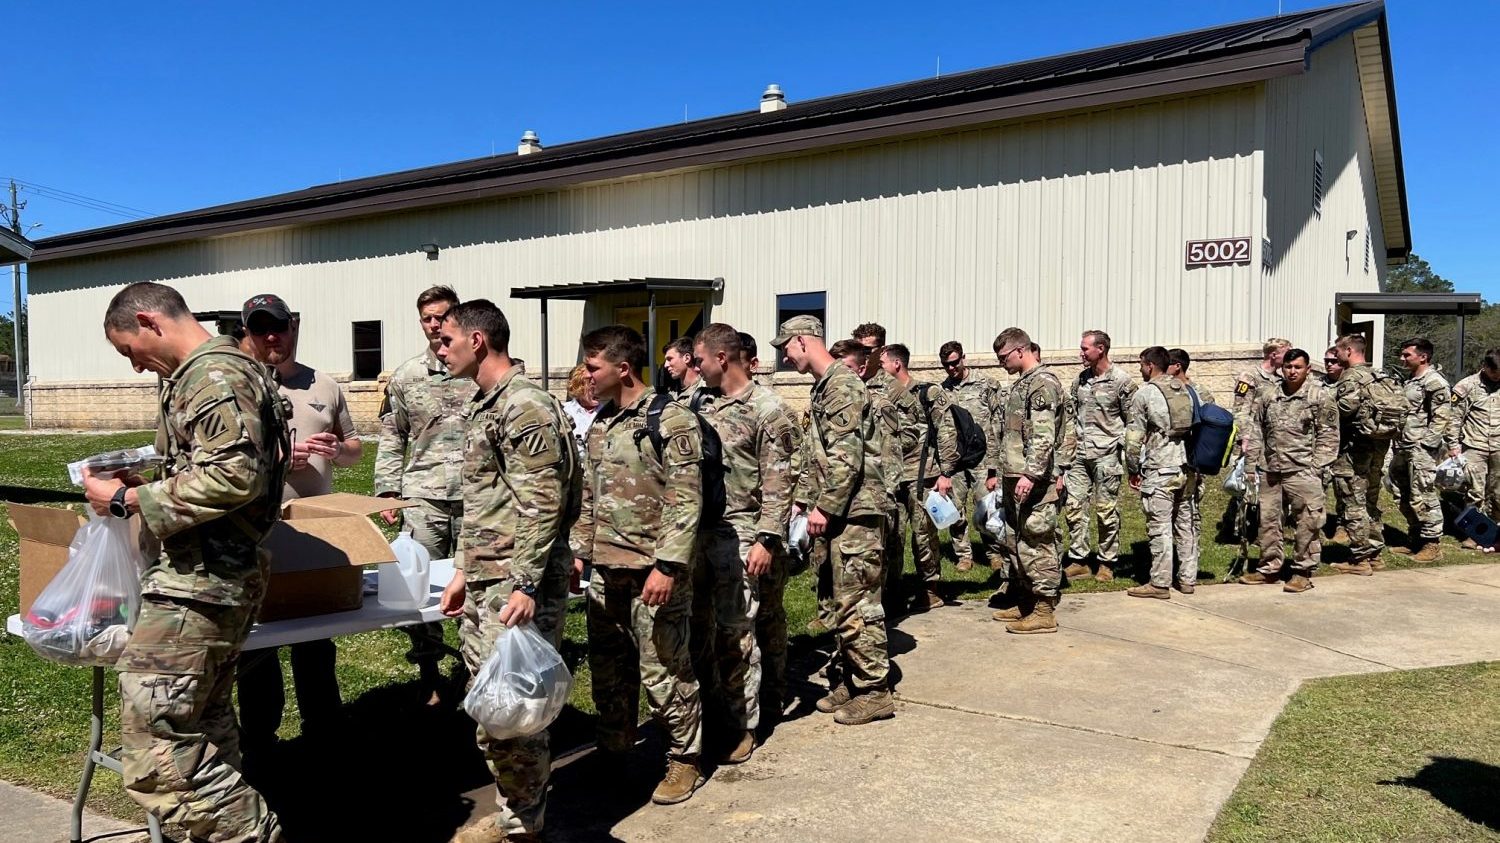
<point x="31" y="817"/>
<point x="1134" y="722"/>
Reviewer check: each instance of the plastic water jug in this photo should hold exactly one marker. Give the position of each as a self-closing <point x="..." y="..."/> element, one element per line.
<point x="941" y="510"/>
<point x="404" y="583"/>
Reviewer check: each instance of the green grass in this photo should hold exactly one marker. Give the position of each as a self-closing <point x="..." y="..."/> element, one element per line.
<point x="1412" y="755"/>
<point x="43" y="706"/>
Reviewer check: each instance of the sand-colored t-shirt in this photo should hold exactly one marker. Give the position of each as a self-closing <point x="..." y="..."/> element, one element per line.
<point x="318" y="406"/>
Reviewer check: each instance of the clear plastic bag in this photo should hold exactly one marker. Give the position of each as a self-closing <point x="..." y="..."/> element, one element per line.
<point x="1453" y="474"/>
<point x="522" y="686"/>
<point x="83" y="616"/>
<point x="1235" y="483"/>
<point x="992" y="506"/>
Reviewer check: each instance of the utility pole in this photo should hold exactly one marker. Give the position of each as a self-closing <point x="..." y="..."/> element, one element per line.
<point x="15" y="278"/>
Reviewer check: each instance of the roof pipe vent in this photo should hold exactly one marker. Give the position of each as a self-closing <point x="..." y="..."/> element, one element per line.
<point x="529" y="143"/>
<point x="773" y="99"/>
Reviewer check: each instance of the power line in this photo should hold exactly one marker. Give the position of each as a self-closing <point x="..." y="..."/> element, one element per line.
<point x="83" y="197"/>
<point x="83" y="201"/>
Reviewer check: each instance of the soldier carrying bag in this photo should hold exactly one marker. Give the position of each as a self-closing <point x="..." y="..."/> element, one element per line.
<point x="714" y="497"/>
<point x="971" y="441"/>
<point x="1382" y="408"/>
<point x="1211" y="443"/>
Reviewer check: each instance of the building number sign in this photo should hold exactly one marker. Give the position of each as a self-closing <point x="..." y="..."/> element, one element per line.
<point x="1224" y="252"/>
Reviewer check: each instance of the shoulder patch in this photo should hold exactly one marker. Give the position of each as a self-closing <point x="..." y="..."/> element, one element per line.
<point x="1242" y="388"/>
<point x="1039" y="401"/>
<point x="218" y="426"/>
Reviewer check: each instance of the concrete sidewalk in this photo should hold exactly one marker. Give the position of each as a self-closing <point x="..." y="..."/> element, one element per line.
<point x="1134" y="722"/>
<point x="31" y="817"/>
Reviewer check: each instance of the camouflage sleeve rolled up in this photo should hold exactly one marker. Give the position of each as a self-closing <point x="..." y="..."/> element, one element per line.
<point x="837" y="427"/>
<point x="777" y="451"/>
<point x="682" y="497"/>
<point x="220" y="409"/>
<point x="535" y="443"/>
<point x="940" y="417"/>
<point x="395" y="427"/>
<point x="1326" y="432"/>
<point x="582" y="536"/>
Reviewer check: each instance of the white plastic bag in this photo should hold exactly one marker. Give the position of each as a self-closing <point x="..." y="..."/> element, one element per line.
<point x="797" y="538"/>
<point x="83" y="616"/>
<point x="1235" y="483"/>
<point x="522" y="686"/>
<point x="993" y="507"/>
<point x="1453" y="474"/>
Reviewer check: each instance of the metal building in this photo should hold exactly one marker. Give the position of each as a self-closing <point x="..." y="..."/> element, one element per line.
<point x="1205" y="189"/>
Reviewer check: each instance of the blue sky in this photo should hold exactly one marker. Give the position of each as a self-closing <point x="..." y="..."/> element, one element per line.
<point x="169" y="106"/>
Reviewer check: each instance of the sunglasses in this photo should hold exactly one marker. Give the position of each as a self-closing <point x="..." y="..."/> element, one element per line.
<point x="952" y="364"/>
<point x="1330" y="361"/>
<point x="268" y="326"/>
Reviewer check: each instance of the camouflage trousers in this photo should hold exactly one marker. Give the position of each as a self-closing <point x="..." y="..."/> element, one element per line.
<point x="632" y="644"/>
<point x="1094" y="493"/>
<point x="1484" y="481"/>
<point x="852" y="548"/>
<point x="893" y="553"/>
<point x="1414" y="471"/>
<point x="968" y="488"/>
<point x="1356" y="487"/>
<point x="521" y="766"/>
<point x="926" y="548"/>
<point x="435" y="525"/>
<point x="726" y="600"/>
<point x="771" y="632"/>
<point x="1032" y="540"/>
<point x="179" y="741"/>
<point x="1301" y="492"/>
<point x="1170" y="502"/>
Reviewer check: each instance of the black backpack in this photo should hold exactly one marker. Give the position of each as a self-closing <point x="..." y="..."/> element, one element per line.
<point x="971" y="440"/>
<point x="712" y="466"/>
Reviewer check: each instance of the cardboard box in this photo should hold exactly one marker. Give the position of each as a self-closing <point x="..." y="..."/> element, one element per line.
<point x="45" y="533"/>
<point x="318" y="553"/>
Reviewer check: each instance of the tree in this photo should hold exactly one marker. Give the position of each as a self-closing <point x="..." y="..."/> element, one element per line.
<point x="8" y="337"/>
<point x="1481" y="331"/>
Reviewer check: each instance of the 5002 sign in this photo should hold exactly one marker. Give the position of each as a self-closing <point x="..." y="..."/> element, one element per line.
<point x="1225" y="252"/>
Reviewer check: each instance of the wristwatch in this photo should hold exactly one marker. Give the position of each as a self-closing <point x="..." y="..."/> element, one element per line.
<point x="525" y="587"/>
<point x="769" y="541"/>
<point x="668" y="568"/>
<point x="117" y="504"/>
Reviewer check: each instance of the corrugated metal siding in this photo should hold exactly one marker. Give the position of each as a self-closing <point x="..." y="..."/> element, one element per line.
<point x="1057" y="225"/>
<point x="1321" y="110"/>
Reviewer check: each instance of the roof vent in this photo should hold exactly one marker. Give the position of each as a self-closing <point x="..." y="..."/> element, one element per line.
<point x="529" y="143"/>
<point x="773" y="99"/>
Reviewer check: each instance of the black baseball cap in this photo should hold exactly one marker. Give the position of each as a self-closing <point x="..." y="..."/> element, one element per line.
<point x="267" y="303"/>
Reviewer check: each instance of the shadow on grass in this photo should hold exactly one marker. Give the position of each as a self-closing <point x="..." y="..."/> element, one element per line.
<point x="1468" y="787"/>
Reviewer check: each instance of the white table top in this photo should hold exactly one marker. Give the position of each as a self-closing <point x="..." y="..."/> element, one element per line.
<point x="370" y="616"/>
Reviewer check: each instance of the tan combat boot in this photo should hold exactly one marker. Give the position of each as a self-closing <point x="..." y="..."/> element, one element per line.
<point x="964" y="565"/>
<point x="1376" y="563"/>
<point x="742" y="750"/>
<point x="678" y="784"/>
<point x="1077" y="571"/>
<point x="1186" y="587"/>
<point x="1429" y="552"/>
<point x="933" y="600"/>
<point x="1040" y="620"/>
<point x="1257" y="578"/>
<point x="486" y="829"/>
<point x="1105" y="573"/>
<point x="1297" y="584"/>
<point x="1340" y="536"/>
<point x="1469" y="544"/>
<point x="1360" y="568"/>
<point x="837" y="698"/>
<point x="816" y="627"/>
<point x="1149" y="590"/>
<point x="867" y="708"/>
<point x="1016" y="612"/>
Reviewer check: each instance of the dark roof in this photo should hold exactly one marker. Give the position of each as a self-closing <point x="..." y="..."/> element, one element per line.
<point x="13" y="247"/>
<point x="589" y="289"/>
<point x="1453" y="304"/>
<point x="1207" y="58"/>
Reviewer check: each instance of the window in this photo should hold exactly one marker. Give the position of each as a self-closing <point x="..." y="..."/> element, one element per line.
<point x="367" y="364"/>
<point x="797" y="304"/>
<point x="1318" y="183"/>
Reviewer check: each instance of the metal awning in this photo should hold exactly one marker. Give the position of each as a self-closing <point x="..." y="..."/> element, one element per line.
<point x="1461" y="305"/>
<point x="14" y="248"/>
<point x="585" y="290"/>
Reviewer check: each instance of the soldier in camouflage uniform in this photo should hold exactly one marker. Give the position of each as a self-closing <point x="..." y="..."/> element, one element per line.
<point x="521" y="488"/>
<point x="1476" y="412"/>
<point x="841" y="491"/>
<point x="1427" y="436"/>
<point x="1157" y="461"/>
<point x="1187" y="528"/>
<point x="222" y="434"/>
<point x="735" y="557"/>
<point x="1360" y="464"/>
<point x="1101" y="399"/>
<point x="638" y="527"/>
<point x="420" y="460"/>
<point x="931" y="465"/>
<point x="1036" y="450"/>
<point x="984" y="398"/>
<point x="1293" y="436"/>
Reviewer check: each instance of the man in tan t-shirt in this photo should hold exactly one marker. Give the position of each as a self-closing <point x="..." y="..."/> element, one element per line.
<point x="323" y="436"/>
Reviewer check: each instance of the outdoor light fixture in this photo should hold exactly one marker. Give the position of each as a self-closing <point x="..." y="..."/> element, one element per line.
<point x="431" y="249"/>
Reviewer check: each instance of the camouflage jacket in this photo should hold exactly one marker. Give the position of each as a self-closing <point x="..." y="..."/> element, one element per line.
<point x="760" y="438"/>
<point x="1347" y="396"/>
<point x="212" y="503"/>
<point x="1247" y="385"/>
<point x="1205" y="395"/>
<point x="984" y="398"/>
<point x="939" y="435"/>
<point x="1148" y="448"/>
<point x="1296" y="432"/>
<point x="1038" y="440"/>
<point x="841" y="472"/>
<point x="1476" y="405"/>
<point x="1429" y="419"/>
<point x="421" y="453"/>
<point x="911" y="427"/>
<point x="521" y="482"/>
<point x="1101" y="409"/>
<point x="639" y="507"/>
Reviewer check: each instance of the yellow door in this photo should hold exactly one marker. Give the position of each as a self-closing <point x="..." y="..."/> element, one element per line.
<point x="672" y="321"/>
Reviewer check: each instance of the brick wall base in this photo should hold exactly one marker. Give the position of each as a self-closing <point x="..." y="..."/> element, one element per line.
<point x="131" y="405"/>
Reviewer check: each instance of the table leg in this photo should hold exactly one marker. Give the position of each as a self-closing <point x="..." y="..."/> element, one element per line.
<point x="96" y="741"/>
